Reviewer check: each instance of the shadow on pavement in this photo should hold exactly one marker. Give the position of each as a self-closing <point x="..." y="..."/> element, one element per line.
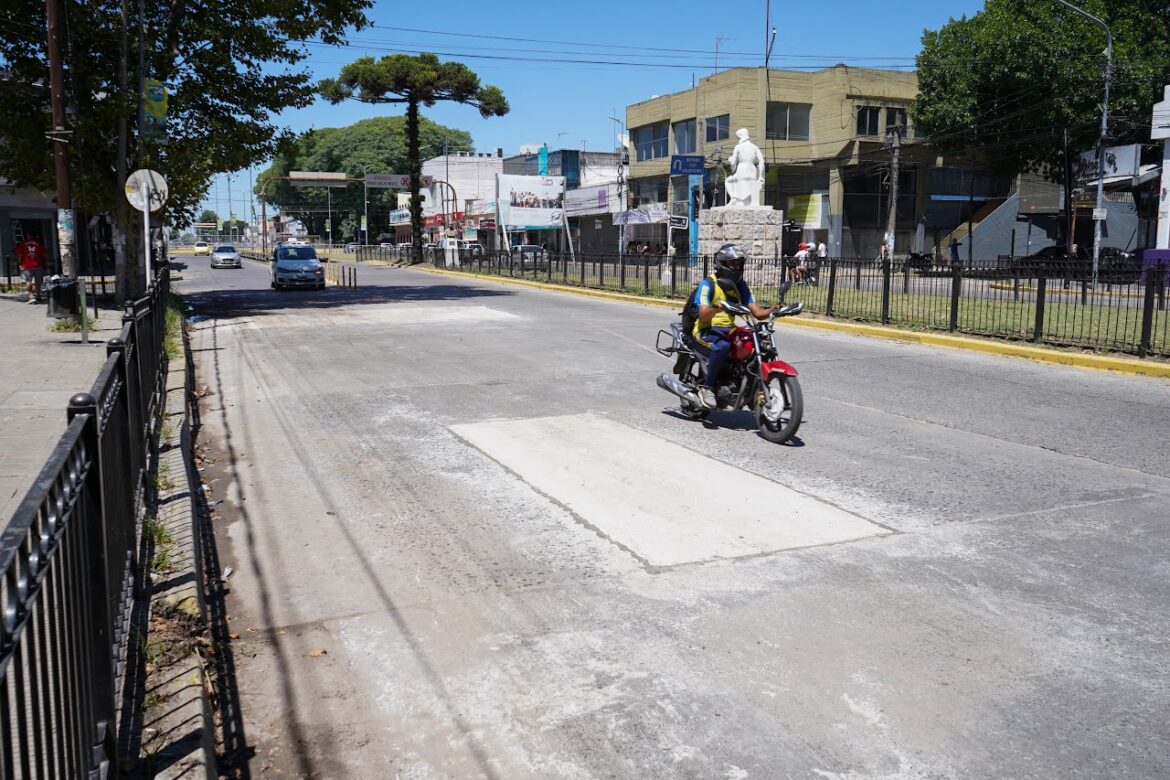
<point x="226" y="304"/>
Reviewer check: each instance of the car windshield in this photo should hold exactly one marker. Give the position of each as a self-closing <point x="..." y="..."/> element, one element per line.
<point x="297" y="253"/>
<point x="225" y="249"/>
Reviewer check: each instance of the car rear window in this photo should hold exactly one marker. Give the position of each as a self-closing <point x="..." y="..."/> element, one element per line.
<point x="225" y="249"/>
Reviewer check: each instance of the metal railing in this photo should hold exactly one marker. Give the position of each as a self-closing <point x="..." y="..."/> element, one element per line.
<point x="1044" y="301"/>
<point x="71" y="568"/>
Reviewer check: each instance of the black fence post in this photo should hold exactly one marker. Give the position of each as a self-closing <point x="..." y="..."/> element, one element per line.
<point x="622" y="271"/>
<point x="1015" y="279"/>
<point x="1041" y="290"/>
<point x="96" y="560"/>
<point x="905" y="278"/>
<point x="857" y="276"/>
<point x="887" y="278"/>
<point x="1148" y="315"/>
<point x="706" y="270"/>
<point x="601" y="272"/>
<point x="673" y="285"/>
<point x="956" y="289"/>
<point x="832" y="287"/>
<point x="646" y="275"/>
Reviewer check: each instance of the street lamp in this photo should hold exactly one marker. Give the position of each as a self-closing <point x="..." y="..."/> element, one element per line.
<point x="1097" y="212"/>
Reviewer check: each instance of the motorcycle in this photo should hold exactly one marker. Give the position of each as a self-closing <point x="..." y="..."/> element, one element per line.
<point x="753" y="375"/>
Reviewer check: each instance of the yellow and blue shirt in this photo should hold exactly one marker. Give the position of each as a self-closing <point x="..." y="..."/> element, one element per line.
<point x="711" y="294"/>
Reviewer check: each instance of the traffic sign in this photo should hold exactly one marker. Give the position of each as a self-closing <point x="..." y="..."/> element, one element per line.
<point x="679" y="223"/>
<point x="686" y="165"/>
<point x="145" y="183"/>
<point x="317" y="179"/>
<point x="1100" y="215"/>
<point x="395" y="181"/>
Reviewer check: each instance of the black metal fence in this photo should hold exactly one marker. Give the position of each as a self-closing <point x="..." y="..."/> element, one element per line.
<point x="70" y="563"/>
<point x="1051" y="302"/>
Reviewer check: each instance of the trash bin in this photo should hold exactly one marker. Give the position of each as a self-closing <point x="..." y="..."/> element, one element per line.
<point x="62" y="294"/>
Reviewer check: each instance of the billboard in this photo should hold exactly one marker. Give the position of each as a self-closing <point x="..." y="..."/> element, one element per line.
<point x="1119" y="161"/>
<point x="531" y="202"/>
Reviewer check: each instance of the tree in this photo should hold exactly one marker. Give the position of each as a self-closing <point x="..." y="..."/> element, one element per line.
<point x="208" y="216"/>
<point x="230" y="66"/>
<point x="415" y="81"/>
<point x="376" y="145"/>
<point x="1005" y="82"/>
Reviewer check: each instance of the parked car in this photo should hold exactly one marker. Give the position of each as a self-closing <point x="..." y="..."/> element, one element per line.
<point x="1114" y="265"/>
<point x="202" y="248"/>
<point x="352" y="247"/>
<point x="529" y="257"/>
<point x="225" y="256"/>
<point x="297" y="266"/>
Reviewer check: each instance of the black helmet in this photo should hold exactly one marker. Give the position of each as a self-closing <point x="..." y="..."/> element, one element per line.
<point x="729" y="262"/>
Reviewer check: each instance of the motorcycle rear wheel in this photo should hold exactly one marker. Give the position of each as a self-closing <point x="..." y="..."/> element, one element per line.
<point x="783" y="390"/>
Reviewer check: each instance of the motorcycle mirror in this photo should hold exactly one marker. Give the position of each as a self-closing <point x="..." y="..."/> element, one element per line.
<point x="783" y="290"/>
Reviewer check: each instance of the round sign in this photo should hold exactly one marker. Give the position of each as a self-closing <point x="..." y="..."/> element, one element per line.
<point x="142" y="182"/>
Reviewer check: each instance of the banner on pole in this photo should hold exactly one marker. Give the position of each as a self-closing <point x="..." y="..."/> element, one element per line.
<point x="531" y="202"/>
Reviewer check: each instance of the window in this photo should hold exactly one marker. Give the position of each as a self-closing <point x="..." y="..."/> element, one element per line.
<point x="684" y="137"/>
<point x="650" y="141"/>
<point x="867" y="120"/>
<point x="648" y="191"/>
<point x="788" y="121"/>
<point x="896" y="117"/>
<point x="718" y="127"/>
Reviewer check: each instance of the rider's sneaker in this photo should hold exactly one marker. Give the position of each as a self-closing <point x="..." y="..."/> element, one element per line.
<point x="706" y="397"/>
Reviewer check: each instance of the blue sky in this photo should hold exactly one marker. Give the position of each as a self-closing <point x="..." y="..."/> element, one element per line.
<point x="534" y="51"/>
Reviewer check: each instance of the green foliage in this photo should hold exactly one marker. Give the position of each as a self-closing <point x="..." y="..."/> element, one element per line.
<point x="1005" y="82"/>
<point x="372" y="145"/>
<point x="415" y="81"/>
<point x="231" y="65"/>
<point x="208" y="216"/>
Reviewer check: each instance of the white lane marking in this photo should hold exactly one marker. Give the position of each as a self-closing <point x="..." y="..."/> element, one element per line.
<point x="663" y="502"/>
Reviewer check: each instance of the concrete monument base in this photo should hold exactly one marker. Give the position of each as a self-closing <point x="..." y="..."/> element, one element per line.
<point x="757" y="230"/>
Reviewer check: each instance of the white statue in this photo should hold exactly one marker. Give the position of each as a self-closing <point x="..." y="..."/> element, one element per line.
<point x="747" y="177"/>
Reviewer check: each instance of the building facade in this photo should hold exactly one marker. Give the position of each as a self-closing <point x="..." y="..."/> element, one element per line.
<point x="827" y="138"/>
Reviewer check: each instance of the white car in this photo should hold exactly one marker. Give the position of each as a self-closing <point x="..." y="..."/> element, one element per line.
<point x="225" y="256"/>
<point x="297" y="266"/>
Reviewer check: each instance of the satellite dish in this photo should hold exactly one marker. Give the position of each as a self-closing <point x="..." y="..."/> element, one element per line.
<point x="143" y="182"/>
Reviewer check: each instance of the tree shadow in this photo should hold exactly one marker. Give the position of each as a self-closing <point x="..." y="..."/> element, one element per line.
<point x="228" y="304"/>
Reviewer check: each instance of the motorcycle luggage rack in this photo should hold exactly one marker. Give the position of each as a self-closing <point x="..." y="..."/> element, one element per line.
<point x="671" y="341"/>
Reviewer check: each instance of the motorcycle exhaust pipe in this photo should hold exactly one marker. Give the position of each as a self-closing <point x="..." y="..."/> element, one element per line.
<point x="672" y="385"/>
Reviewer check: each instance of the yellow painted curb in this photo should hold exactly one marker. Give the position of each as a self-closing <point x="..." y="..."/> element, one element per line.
<point x="990" y="347"/>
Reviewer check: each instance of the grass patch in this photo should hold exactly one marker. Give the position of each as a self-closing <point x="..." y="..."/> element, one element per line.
<point x="157" y="532"/>
<point x="71" y="324"/>
<point x="162" y="562"/>
<point x="173" y="336"/>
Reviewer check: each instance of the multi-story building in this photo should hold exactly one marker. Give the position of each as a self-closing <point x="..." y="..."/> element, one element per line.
<point x="827" y="142"/>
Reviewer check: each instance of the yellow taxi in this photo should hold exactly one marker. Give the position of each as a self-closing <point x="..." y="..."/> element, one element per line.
<point x="202" y="248"/>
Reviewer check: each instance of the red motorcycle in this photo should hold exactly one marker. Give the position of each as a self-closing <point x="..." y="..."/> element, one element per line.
<point x="753" y="375"/>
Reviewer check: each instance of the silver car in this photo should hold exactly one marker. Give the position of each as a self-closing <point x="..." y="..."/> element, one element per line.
<point x="297" y="266"/>
<point x="225" y="256"/>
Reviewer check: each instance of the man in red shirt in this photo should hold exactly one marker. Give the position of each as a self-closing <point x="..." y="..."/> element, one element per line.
<point x="31" y="254"/>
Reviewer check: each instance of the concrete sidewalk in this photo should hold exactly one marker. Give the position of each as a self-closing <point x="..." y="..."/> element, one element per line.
<point x="39" y="372"/>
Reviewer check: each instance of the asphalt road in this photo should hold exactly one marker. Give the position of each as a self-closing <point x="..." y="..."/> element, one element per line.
<point x="471" y="539"/>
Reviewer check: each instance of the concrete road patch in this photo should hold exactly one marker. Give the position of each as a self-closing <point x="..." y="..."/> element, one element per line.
<point x="666" y="504"/>
<point x="399" y="314"/>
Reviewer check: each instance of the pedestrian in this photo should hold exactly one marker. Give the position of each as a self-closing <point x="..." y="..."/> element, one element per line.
<point x="822" y="252"/>
<point x="954" y="252"/>
<point x="31" y="254"/>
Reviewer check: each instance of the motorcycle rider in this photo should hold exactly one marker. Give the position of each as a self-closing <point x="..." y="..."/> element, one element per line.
<point x="714" y="323"/>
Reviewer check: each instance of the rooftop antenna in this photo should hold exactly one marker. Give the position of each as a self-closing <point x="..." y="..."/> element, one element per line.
<point x="718" y="40"/>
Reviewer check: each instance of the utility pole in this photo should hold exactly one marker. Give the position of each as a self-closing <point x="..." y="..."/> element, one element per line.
<point x="895" y="162"/>
<point x="59" y="137"/>
<point x="231" y="218"/>
<point x="1160" y="131"/>
<point x="1069" y="239"/>
<point x="1099" y="211"/>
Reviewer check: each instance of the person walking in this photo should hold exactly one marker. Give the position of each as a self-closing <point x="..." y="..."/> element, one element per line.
<point x="31" y="254"/>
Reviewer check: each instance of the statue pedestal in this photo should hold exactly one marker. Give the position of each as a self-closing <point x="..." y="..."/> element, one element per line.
<point x="757" y="230"/>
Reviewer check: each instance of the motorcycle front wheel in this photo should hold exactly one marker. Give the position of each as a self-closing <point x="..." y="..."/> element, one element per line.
<point x="778" y="418"/>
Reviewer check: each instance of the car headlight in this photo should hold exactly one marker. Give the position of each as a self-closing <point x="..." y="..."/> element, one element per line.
<point x="320" y="272"/>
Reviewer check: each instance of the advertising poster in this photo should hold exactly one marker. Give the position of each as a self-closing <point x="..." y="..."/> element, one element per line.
<point x="531" y="202"/>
